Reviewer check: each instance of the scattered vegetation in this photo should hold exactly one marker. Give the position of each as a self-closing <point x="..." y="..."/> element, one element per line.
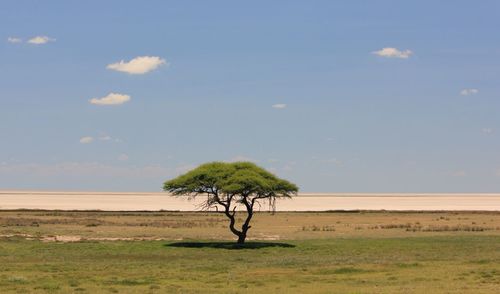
<point x="451" y="264"/>
<point x="371" y="252"/>
<point x="315" y="228"/>
<point x="436" y="228"/>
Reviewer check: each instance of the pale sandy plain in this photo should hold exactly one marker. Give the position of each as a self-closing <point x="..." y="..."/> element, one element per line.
<point x="129" y="201"/>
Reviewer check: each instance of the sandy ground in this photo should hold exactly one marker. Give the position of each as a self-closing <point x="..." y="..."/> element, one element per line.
<point x="304" y="202"/>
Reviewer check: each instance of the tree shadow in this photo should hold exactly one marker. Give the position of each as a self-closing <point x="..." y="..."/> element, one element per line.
<point x="230" y="245"/>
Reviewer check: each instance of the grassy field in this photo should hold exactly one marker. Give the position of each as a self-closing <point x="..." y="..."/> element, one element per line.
<point x="171" y="252"/>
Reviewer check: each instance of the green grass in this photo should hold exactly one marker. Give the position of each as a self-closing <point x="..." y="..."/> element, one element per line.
<point x="428" y="264"/>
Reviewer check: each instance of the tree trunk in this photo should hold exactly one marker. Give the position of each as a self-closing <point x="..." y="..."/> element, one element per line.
<point x="232" y="222"/>
<point x="242" y="235"/>
<point x="246" y="226"/>
<point x="241" y="239"/>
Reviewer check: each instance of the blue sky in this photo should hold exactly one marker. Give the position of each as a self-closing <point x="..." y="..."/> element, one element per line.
<point x="303" y="88"/>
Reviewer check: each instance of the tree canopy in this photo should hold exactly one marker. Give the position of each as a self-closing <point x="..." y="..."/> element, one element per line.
<point x="228" y="185"/>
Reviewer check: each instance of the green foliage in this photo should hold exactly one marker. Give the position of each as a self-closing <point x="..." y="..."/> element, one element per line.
<point x="229" y="184"/>
<point x="238" y="178"/>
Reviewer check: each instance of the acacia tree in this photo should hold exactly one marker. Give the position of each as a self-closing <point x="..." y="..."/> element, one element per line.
<point x="232" y="185"/>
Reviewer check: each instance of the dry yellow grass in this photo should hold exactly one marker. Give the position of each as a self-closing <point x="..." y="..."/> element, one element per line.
<point x="358" y="252"/>
<point x="280" y="226"/>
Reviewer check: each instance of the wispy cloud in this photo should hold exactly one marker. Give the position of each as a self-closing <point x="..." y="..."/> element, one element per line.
<point x="335" y="161"/>
<point x="289" y="166"/>
<point x="279" y="106"/>
<point x="86" y="140"/>
<point x="487" y="131"/>
<point x="92" y="169"/>
<point x="238" y="158"/>
<point x="14" y="40"/>
<point x="39" y="40"/>
<point x="390" y="52"/>
<point x="467" y="92"/>
<point x="459" y="173"/>
<point x="111" y="99"/>
<point x="104" y="138"/>
<point x="139" y="65"/>
<point x="123" y="157"/>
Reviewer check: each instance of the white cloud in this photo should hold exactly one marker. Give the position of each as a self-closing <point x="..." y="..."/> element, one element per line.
<point x="38" y="40"/>
<point x="279" y="106"/>
<point x="14" y="40"/>
<point x="139" y="65"/>
<point x="239" y="158"/>
<point x="487" y="130"/>
<point x="95" y="170"/>
<point x="390" y="52"/>
<point x="459" y="173"/>
<point x="335" y="161"/>
<point x="107" y="138"/>
<point x="111" y="99"/>
<point x="123" y="157"/>
<point x="86" y="140"/>
<point x="104" y="138"/>
<point x="467" y="92"/>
